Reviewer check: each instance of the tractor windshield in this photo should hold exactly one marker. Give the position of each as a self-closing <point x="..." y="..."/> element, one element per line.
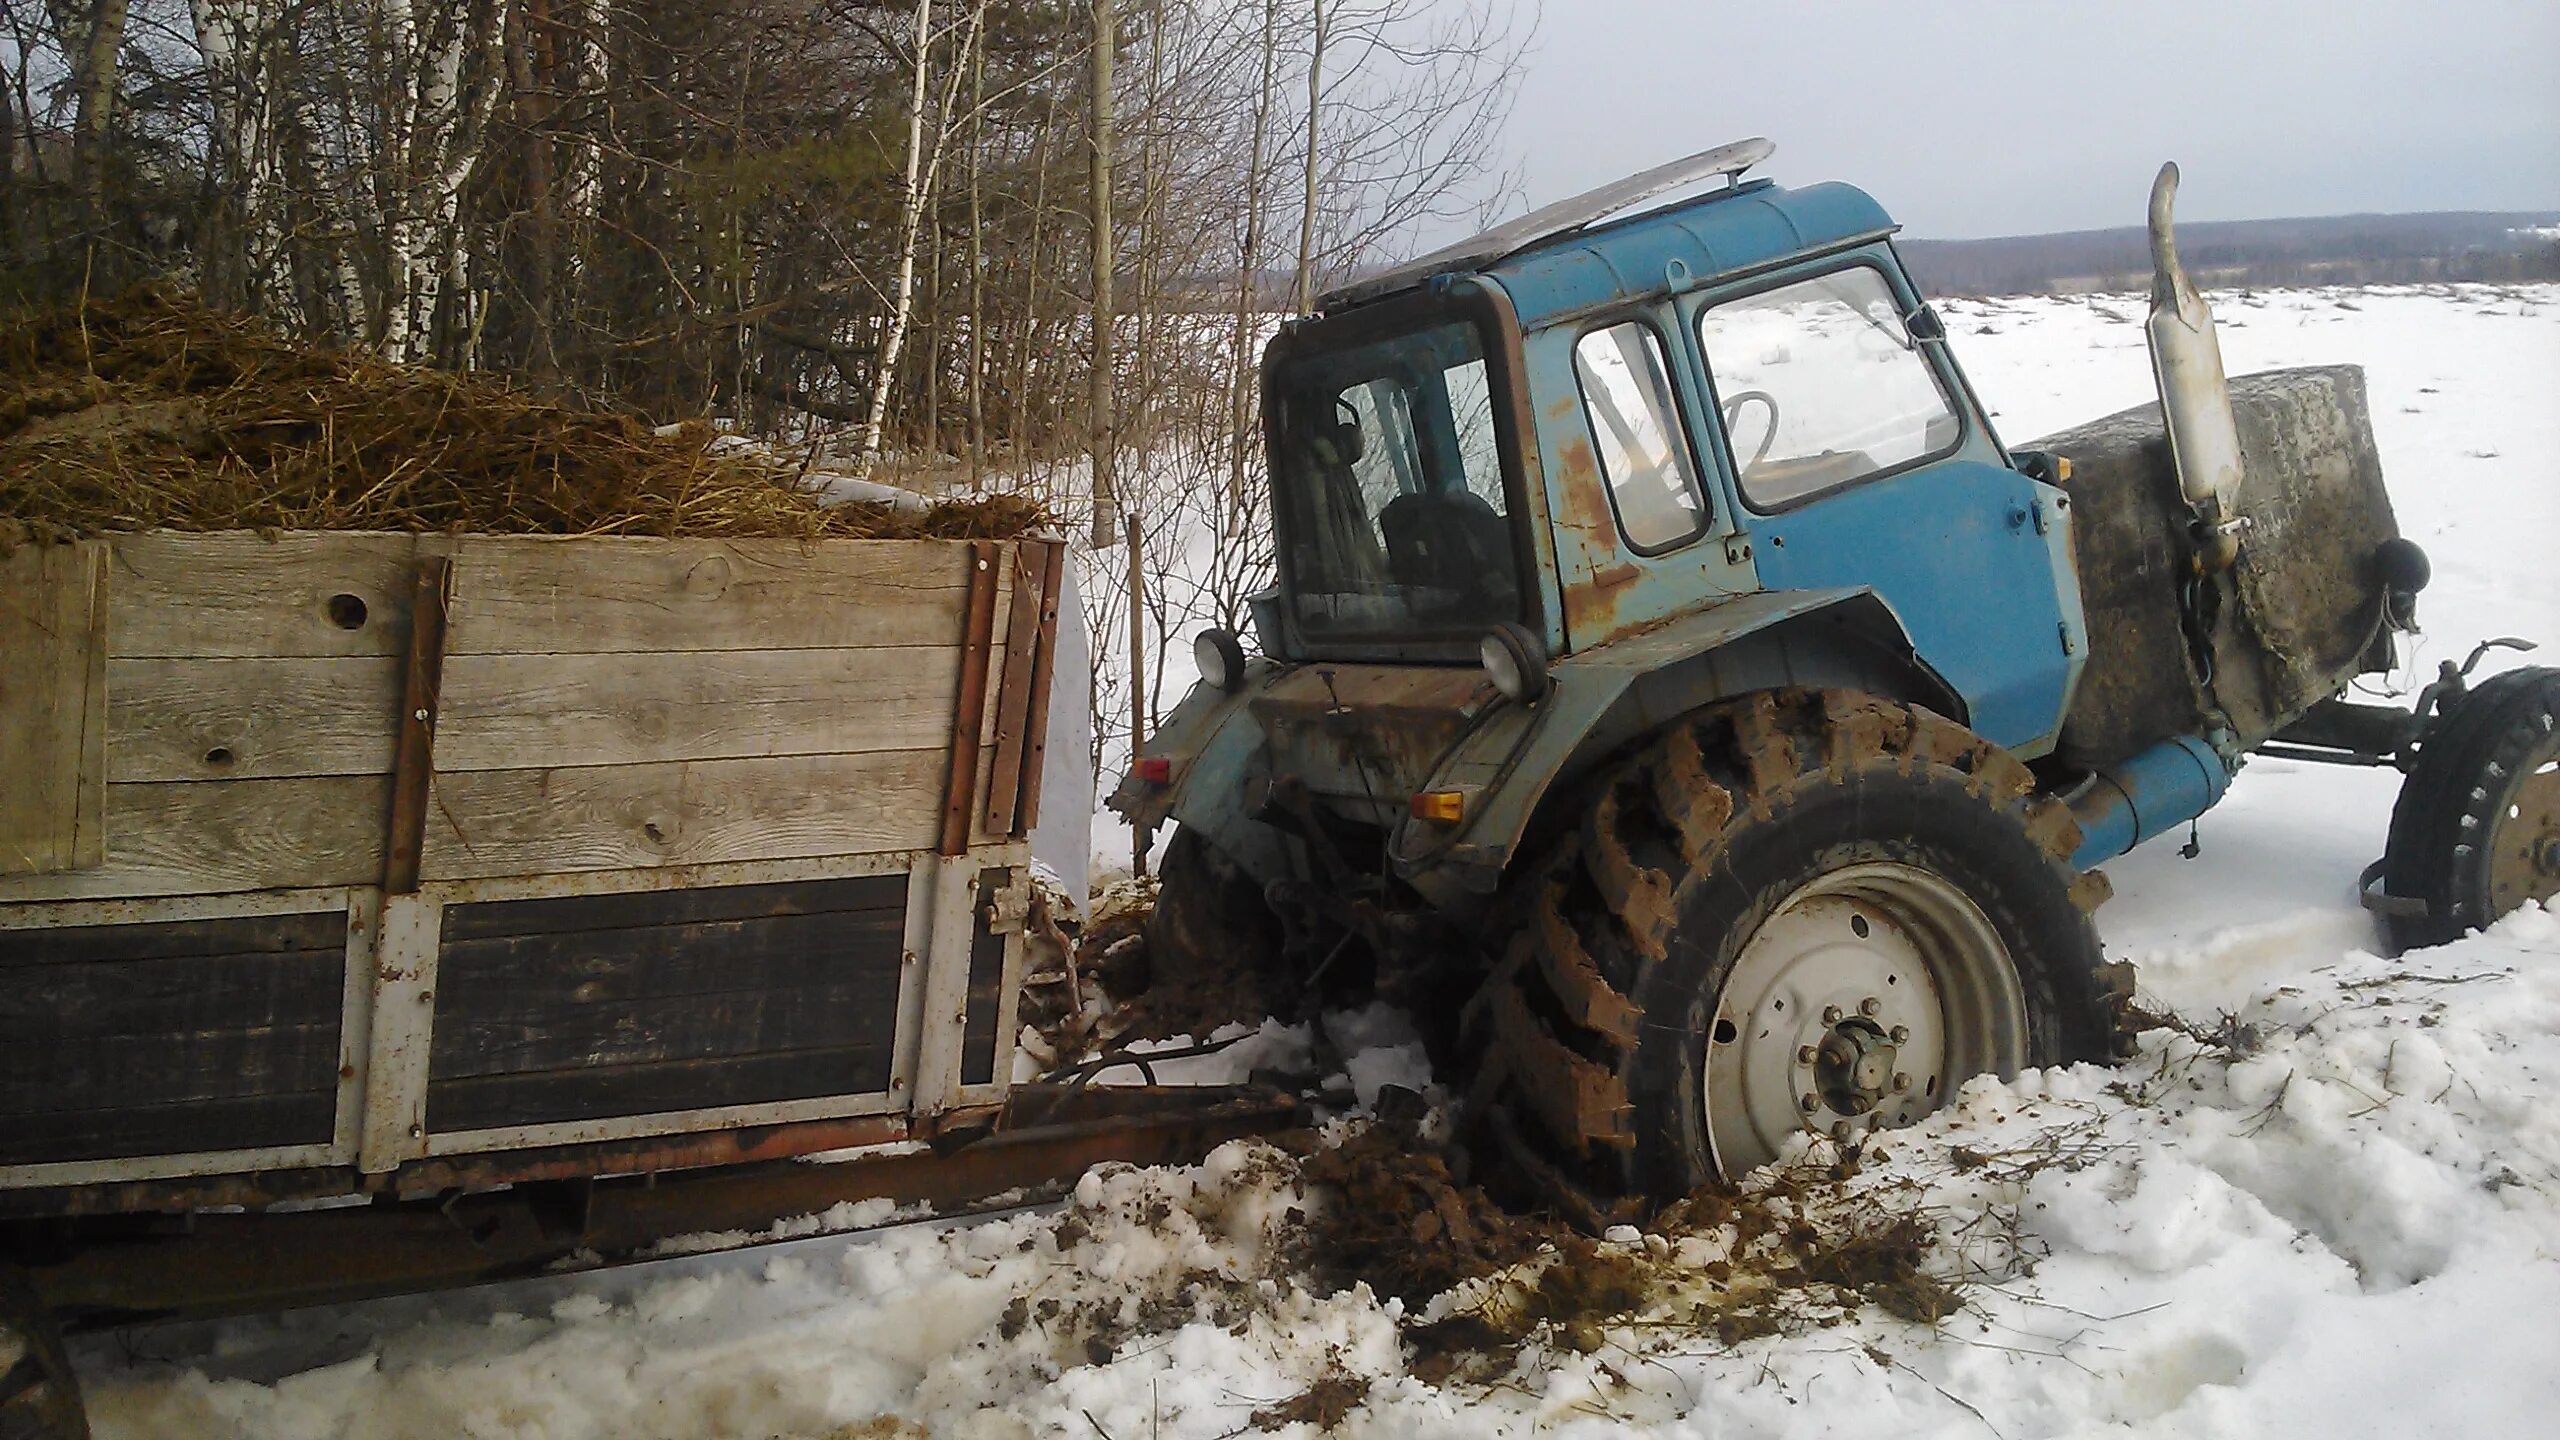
<point x="1394" y="516"/>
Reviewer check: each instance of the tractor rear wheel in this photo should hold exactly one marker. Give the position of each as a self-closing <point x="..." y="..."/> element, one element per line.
<point x="1212" y="951"/>
<point x="2476" y="832"/>
<point x="1800" y="912"/>
<point x="39" y="1394"/>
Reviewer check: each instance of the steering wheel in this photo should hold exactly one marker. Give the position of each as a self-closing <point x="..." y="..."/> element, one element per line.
<point x="1768" y="437"/>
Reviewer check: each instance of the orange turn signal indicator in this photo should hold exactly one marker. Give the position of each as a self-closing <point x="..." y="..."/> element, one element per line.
<point x="1442" y="807"/>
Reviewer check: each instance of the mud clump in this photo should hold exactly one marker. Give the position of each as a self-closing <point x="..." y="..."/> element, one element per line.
<point x="1799" y="1249"/>
<point x="1325" y="1404"/>
<point x="1396" y="1219"/>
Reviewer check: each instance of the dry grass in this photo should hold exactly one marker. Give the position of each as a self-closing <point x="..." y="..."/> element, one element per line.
<point x="150" y="412"/>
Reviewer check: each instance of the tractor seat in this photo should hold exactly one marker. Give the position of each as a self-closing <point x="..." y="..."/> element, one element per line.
<point x="1450" y="544"/>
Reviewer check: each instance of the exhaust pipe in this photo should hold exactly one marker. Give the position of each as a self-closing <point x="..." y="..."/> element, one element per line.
<point x="2195" y="397"/>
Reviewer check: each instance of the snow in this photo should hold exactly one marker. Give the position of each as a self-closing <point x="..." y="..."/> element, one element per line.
<point x="2336" y="1214"/>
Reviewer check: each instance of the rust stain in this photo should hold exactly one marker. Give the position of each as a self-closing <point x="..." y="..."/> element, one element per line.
<point x="1615" y="577"/>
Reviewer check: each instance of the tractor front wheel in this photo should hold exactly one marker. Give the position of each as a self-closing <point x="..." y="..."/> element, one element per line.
<point x="1804" y="912"/>
<point x="2476" y="832"/>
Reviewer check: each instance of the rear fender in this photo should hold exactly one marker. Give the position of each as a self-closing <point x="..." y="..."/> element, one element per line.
<point x="1523" y="761"/>
<point x="1213" y="744"/>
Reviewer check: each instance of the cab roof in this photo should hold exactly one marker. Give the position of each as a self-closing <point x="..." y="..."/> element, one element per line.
<point x="1561" y="259"/>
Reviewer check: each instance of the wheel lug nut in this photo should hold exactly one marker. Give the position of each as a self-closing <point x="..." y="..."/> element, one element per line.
<point x="1901" y="1034"/>
<point x="1840" y="1130"/>
<point x="1831" y="1015"/>
<point x="1810" y="1102"/>
<point x="1871" y="1007"/>
<point x="1804" y="1054"/>
<point x="1901" y="1082"/>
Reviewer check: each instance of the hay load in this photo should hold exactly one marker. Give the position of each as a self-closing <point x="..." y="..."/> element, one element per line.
<point x="149" y="412"/>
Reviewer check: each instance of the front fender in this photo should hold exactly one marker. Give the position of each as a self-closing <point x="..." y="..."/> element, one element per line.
<point x="1523" y="758"/>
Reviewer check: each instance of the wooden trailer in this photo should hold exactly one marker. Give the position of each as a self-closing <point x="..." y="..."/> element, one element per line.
<point x="376" y="864"/>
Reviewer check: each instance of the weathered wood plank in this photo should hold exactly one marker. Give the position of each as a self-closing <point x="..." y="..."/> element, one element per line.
<point x="543" y="594"/>
<point x="234" y="593"/>
<point x="540" y="711"/>
<point x="239" y="719"/>
<point x="53" y="705"/>
<point x="252" y="1123"/>
<point x="156" y="939"/>
<point x="487" y="1102"/>
<point x="619" y="817"/>
<point x="62" y="1004"/>
<point x="675" y="1027"/>
<point x="111" y="1071"/>
<point x="850" y="896"/>
<point x="217" y="836"/>
<point x="536" y="977"/>
<point x="172" y="720"/>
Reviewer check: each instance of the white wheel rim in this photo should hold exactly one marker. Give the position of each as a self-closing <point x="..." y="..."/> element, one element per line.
<point x="1862" y="1002"/>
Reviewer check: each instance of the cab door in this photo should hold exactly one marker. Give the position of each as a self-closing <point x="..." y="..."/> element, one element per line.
<point x="1857" y="458"/>
<point x="1640" y="535"/>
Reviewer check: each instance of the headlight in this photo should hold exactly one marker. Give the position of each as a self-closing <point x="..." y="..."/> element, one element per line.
<point x="1220" y="657"/>
<point x="1515" y="661"/>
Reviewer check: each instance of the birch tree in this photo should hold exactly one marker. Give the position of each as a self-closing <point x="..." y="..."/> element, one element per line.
<point x="441" y="72"/>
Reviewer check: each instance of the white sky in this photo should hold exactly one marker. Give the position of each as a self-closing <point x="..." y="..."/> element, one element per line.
<point x="2003" y="117"/>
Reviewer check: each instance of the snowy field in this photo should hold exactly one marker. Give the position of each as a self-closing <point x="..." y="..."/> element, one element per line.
<point x="2338" y="1215"/>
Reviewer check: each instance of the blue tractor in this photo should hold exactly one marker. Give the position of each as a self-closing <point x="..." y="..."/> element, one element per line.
<point x="1676" y="692"/>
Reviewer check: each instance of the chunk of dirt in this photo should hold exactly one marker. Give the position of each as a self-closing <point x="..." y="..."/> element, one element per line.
<point x="1325" y="1404"/>
<point x="1798" y="1249"/>
<point x="1396" y="1219"/>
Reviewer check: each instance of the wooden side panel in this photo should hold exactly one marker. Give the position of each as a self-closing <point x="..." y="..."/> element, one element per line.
<point x="527" y="711"/>
<point x="53" y="704"/>
<point x="575" y="1009"/>
<point x="218" y="836"/>
<point x="624" y="817"/>
<point x="606" y="704"/>
<point x="172" y="1036"/>
<point x="533" y="595"/>
<point x="236" y="594"/>
<point x="244" y="719"/>
<point x="262" y="719"/>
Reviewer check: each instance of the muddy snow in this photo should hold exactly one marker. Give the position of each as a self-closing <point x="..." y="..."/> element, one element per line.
<point x="2324" y="1201"/>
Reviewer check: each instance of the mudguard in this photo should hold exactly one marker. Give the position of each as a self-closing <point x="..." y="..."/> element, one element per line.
<point x="1613" y="695"/>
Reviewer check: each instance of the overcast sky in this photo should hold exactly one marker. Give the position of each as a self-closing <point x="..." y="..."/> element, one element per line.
<point x="2002" y="117"/>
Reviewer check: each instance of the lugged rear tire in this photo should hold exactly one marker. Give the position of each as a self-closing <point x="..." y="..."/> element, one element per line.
<point x="1213" y="946"/>
<point x="2476" y="830"/>
<point x="1859" y="838"/>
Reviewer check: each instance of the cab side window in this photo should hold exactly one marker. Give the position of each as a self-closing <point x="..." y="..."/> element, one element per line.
<point x="1626" y="393"/>
<point x="1821" y="385"/>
